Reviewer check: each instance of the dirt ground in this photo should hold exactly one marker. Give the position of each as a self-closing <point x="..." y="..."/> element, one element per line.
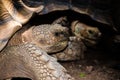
<point x="97" y="65"/>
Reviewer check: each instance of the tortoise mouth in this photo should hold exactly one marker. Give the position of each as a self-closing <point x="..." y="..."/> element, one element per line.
<point x="19" y="78"/>
<point x="59" y="46"/>
<point x="63" y="40"/>
<point x="92" y="39"/>
<point x="90" y="42"/>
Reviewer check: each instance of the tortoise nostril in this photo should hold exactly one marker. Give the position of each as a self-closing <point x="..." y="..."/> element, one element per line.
<point x="97" y="35"/>
<point x="61" y="34"/>
<point x="56" y="33"/>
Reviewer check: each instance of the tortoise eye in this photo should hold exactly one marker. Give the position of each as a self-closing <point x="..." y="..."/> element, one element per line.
<point x="90" y="32"/>
<point x="59" y="34"/>
<point x="77" y="30"/>
<point x="56" y="34"/>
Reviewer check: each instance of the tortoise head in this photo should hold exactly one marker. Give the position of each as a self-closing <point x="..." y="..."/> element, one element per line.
<point x="90" y="35"/>
<point x="51" y="38"/>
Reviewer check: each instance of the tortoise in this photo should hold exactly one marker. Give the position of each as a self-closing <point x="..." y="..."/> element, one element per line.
<point x="27" y="56"/>
<point x="50" y="38"/>
<point x="15" y="13"/>
<point x="89" y="35"/>
<point x="73" y="51"/>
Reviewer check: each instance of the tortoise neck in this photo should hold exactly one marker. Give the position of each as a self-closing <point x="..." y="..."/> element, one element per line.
<point x="16" y="39"/>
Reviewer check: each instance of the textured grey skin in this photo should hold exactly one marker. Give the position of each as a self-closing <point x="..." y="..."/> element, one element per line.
<point x="28" y="60"/>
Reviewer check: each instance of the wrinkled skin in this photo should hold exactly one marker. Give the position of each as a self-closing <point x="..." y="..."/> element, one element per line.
<point x="29" y="61"/>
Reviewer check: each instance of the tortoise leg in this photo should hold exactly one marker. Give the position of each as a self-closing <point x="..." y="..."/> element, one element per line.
<point x="28" y="60"/>
<point x="74" y="51"/>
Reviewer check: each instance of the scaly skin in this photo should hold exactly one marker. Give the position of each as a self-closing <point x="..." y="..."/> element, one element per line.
<point x="88" y="34"/>
<point x="29" y="61"/>
<point x="73" y="50"/>
<point x="28" y="58"/>
<point x="51" y="38"/>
